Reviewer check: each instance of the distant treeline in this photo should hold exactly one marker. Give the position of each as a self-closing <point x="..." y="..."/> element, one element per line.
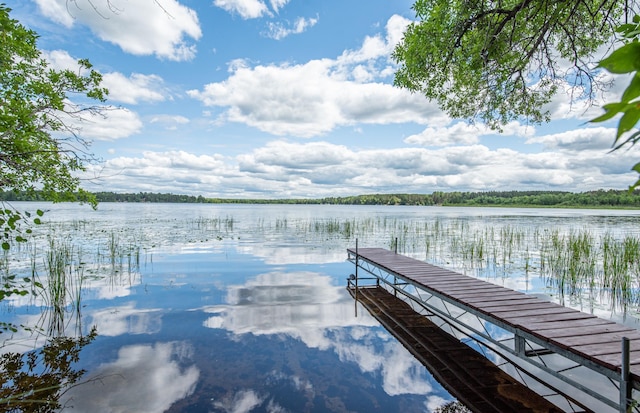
<point x="601" y="198"/>
<point x="111" y="197"/>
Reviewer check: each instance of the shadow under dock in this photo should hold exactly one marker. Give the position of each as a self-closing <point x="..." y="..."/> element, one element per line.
<point x="467" y="375"/>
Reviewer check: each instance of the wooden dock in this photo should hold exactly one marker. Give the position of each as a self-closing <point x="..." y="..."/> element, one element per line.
<point x="463" y="372"/>
<point x="540" y="328"/>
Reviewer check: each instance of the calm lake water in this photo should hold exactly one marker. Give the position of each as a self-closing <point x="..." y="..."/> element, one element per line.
<point x="243" y="308"/>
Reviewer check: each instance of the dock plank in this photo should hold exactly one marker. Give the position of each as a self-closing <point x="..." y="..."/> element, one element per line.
<point x="560" y="325"/>
<point x="528" y="312"/>
<point x="600" y="349"/>
<point x="569" y="331"/>
<point x="520" y="306"/>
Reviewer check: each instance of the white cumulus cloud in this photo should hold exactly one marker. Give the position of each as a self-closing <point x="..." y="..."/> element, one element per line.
<point x="247" y="9"/>
<point x="134" y="89"/>
<point x="278" y="31"/>
<point x="282" y="169"/>
<point x="139" y="27"/>
<point x="251" y="9"/>
<point x="462" y="133"/>
<point x="598" y="138"/>
<point x="315" y="97"/>
<point x="110" y="124"/>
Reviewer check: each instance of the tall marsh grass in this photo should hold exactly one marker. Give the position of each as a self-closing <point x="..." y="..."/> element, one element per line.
<point x="59" y="272"/>
<point x="575" y="263"/>
<point x="62" y="288"/>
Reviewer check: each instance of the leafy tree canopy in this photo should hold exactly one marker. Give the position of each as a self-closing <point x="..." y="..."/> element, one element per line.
<point x="39" y="147"/>
<point x="496" y="61"/>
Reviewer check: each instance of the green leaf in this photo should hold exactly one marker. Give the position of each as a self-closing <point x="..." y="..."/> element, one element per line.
<point x="623" y="60"/>
<point x="636" y="168"/>
<point x="632" y="34"/>
<point x="633" y="139"/>
<point x="37" y="221"/>
<point x="633" y="90"/>
<point x="40" y="212"/>
<point x="625" y="28"/>
<point x="628" y="120"/>
<point x="6" y="246"/>
<point x="611" y="109"/>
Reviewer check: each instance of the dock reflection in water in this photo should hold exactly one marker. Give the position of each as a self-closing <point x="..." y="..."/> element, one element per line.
<point x="469" y="376"/>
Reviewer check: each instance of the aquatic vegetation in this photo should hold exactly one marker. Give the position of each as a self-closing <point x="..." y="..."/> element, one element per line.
<point x="61" y="289"/>
<point x="571" y="263"/>
<point x="566" y="260"/>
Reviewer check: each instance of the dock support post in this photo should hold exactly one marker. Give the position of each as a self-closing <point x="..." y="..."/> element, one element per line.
<point x="519" y="344"/>
<point x="395" y="280"/>
<point x="357" y="256"/>
<point x="625" y="386"/>
<point x="356" y="294"/>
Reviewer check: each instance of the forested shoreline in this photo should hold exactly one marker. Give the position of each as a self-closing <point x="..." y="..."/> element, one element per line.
<point x="600" y="199"/>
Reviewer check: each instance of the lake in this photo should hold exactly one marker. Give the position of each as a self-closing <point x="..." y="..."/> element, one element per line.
<point x="243" y="308"/>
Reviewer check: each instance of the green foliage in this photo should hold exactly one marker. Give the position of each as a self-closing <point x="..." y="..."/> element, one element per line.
<point x="501" y="60"/>
<point x="10" y="225"/>
<point x="148" y="197"/>
<point x="11" y="231"/>
<point x="625" y="60"/>
<point x="40" y="149"/>
<point x="34" y="381"/>
<point x="596" y="199"/>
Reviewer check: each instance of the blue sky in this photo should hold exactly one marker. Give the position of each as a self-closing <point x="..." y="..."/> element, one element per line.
<point x="294" y="98"/>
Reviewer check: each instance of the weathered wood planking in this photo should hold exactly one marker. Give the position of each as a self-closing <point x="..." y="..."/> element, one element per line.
<point x="582" y="334"/>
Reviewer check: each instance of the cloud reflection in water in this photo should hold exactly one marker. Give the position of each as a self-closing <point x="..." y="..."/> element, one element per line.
<point x="307" y="307"/>
<point x="144" y="378"/>
<point x="126" y="319"/>
<point x="278" y="253"/>
<point x="301" y="304"/>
